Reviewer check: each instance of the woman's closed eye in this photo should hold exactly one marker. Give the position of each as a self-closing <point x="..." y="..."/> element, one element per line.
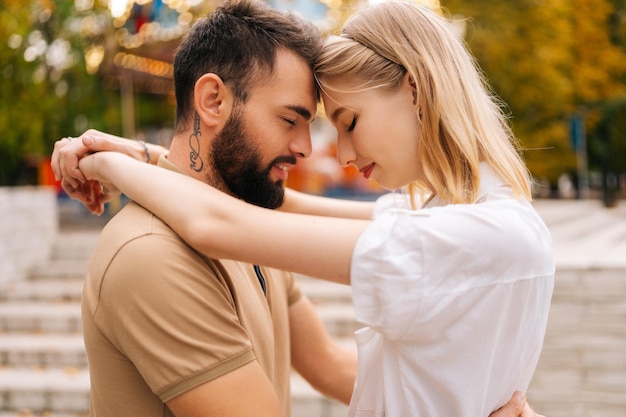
<point x="352" y="125"/>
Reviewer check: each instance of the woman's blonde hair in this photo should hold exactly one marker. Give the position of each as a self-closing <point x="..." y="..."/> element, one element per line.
<point x="462" y="122"/>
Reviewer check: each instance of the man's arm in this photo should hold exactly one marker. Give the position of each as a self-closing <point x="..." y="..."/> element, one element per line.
<point x="331" y="369"/>
<point x="327" y="366"/>
<point x="244" y="392"/>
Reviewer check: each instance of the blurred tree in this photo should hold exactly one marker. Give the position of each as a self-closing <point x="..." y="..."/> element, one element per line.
<point x="50" y="88"/>
<point x="546" y="59"/>
<point x="46" y="91"/>
<point x="607" y="146"/>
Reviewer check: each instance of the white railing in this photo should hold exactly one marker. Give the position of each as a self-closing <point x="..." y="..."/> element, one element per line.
<point x="29" y="224"/>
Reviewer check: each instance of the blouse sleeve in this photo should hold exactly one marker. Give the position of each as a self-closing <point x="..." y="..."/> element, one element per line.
<point x="386" y="273"/>
<point x="410" y="267"/>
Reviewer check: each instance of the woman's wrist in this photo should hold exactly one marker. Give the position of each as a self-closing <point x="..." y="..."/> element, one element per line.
<point x="148" y="152"/>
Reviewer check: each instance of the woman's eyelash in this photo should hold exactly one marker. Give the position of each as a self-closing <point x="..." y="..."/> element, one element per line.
<point x="291" y="122"/>
<point x="352" y="125"/>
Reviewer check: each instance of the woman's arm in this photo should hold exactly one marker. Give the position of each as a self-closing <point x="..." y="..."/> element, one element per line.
<point x="302" y="203"/>
<point x="221" y="226"/>
<point x="67" y="153"/>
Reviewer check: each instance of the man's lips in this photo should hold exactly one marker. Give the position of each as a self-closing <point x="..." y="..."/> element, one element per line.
<point x="280" y="167"/>
<point x="367" y="170"/>
<point x="281" y="170"/>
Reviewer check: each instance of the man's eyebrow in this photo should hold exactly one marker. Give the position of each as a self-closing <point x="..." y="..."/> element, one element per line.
<point x="302" y="111"/>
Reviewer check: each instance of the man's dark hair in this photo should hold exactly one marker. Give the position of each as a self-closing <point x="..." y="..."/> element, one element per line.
<point x="238" y="41"/>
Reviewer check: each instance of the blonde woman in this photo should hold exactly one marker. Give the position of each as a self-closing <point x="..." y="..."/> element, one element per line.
<point x="452" y="277"/>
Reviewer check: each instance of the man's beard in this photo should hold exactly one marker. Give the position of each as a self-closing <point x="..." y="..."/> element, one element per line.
<point x="237" y="161"/>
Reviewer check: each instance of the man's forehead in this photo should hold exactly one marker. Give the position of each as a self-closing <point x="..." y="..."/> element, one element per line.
<point x="293" y="93"/>
<point x="290" y="86"/>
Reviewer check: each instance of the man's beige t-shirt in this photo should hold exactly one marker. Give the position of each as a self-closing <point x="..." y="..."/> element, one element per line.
<point x="160" y="319"/>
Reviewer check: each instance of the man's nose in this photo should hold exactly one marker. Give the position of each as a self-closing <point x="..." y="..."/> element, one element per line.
<point x="301" y="145"/>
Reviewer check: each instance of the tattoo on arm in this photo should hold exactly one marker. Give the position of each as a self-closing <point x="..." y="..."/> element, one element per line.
<point x="195" y="160"/>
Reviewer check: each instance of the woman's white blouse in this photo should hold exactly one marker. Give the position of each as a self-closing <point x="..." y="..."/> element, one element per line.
<point x="455" y="299"/>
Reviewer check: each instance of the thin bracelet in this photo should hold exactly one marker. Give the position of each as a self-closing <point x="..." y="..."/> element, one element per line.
<point x="145" y="147"/>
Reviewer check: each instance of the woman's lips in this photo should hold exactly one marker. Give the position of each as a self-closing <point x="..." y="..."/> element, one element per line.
<point x="367" y="170"/>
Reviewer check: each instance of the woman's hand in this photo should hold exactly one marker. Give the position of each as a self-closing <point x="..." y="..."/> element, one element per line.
<point x="69" y="151"/>
<point x="93" y="195"/>
<point x="95" y="191"/>
<point x="65" y="158"/>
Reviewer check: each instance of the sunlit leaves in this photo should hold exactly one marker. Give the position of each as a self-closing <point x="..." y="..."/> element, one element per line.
<point x="547" y="59"/>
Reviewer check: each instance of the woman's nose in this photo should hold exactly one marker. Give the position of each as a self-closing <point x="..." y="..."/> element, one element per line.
<point x="345" y="152"/>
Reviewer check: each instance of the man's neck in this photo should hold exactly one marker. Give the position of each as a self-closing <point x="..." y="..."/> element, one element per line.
<point x="193" y="164"/>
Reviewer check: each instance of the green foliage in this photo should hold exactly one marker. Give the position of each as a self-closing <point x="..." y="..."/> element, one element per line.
<point x="46" y="91"/>
<point x="608" y="138"/>
<point x="546" y="60"/>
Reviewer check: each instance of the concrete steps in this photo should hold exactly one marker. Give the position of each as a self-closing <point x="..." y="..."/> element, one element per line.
<point x="40" y="390"/>
<point x="51" y="289"/>
<point x="43" y="364"/>
<point x="25" y="350"/>
<point x="30" y="413"/>
<point x="40" y="316"/>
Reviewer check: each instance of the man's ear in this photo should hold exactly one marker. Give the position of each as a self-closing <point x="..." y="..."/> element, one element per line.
<point x="212" y="100"/>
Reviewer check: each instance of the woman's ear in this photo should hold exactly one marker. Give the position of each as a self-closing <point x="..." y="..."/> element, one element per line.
<point x="212" y="100"/>
<point x="413" y="85"/>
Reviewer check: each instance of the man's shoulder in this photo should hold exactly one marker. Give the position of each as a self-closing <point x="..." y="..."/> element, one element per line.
<point x="135" y="236"/>
<point x="132" y="221"/>
<point x="136" y="227"/>
<point x="138" y="254"/>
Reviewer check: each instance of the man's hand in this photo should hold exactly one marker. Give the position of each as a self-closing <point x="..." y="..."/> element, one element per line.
<point x="516" y="407"/>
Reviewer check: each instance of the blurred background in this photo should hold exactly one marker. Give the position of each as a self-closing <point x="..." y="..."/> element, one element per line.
<point x="559" y="65"/>
<point x="70" y="65"/>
